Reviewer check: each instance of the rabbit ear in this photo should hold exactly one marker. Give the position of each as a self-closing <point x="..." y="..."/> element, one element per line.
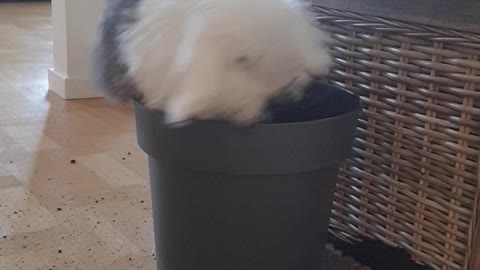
<point x="196" y="88"/>
<point x="189" y="43"/>
<point x="194" y="74"/>
<point x="178" y="111"/>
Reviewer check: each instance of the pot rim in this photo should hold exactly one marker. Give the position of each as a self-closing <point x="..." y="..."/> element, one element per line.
<point x="263" y="125"/>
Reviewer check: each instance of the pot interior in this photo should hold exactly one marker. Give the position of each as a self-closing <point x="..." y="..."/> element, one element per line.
<point x="319" y="101"/>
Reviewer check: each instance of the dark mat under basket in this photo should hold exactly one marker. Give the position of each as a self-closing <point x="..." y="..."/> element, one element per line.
<point x="354" y="253"/>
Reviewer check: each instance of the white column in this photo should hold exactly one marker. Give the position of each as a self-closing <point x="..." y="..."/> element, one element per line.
<point x="74" y="27"/>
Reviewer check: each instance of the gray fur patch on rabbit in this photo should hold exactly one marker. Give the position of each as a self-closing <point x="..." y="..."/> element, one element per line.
<point x="110" y="72"/>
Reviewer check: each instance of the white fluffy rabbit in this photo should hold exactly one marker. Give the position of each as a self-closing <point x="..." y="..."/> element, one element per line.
<point x="208" y="59"/>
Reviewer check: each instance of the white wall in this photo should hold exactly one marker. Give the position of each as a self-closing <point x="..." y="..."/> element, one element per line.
<point x="74" y="27"/>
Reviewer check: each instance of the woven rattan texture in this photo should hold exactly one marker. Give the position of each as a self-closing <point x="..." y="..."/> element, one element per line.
<point x="412" y="179"/>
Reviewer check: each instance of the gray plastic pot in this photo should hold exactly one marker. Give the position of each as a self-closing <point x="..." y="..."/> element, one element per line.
<point x="256" y="198"/>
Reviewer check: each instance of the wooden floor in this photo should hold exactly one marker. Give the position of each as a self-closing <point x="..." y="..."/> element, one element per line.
<point x="55" y="214"/>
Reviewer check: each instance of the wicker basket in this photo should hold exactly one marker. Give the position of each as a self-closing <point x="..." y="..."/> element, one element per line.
<point x="412" y="179"/>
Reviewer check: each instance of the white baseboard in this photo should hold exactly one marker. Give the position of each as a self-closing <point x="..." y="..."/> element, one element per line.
<point x="68" y="88"/>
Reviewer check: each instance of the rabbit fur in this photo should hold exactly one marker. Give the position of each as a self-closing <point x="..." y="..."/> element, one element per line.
<point x="208" y="59"/>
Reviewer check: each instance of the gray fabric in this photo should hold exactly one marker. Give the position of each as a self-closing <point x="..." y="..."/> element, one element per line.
<point x="109" y="70"/>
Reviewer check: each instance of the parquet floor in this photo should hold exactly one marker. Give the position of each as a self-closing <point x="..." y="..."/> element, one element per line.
<point x="55" y="214"/>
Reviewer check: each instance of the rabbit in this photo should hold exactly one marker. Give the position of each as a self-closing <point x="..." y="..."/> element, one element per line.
<point x="208" y="59"/>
